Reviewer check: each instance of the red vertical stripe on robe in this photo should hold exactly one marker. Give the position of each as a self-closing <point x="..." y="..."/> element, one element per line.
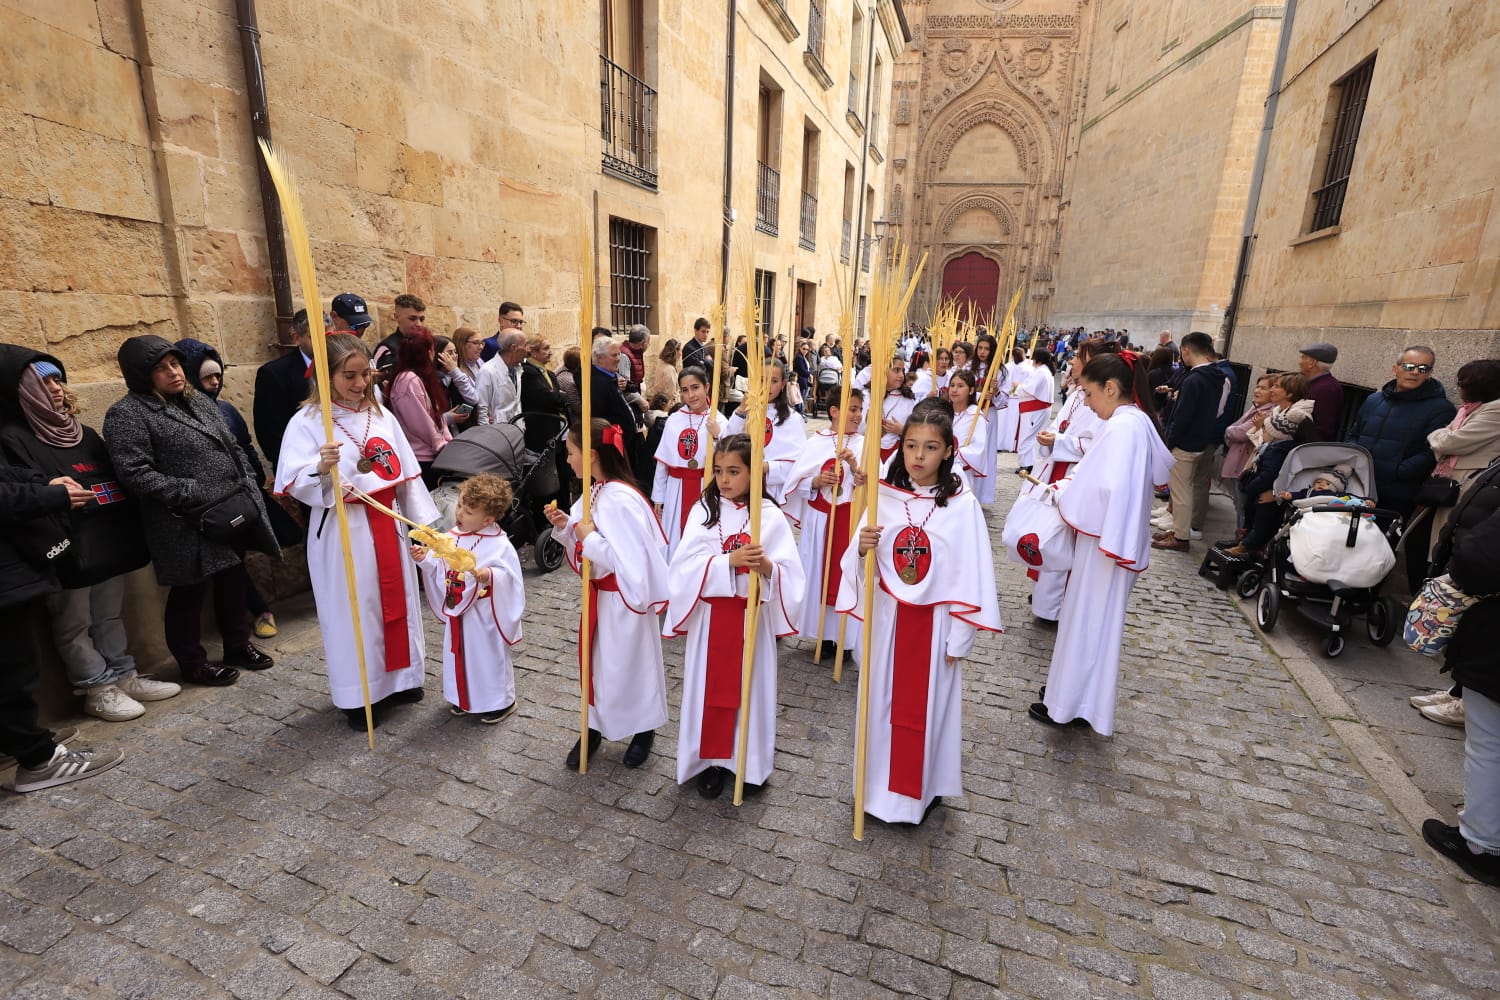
<point x="460" y="665"/>
<point x="606" y="584"/>
<point x="692" y="489"/>
<point x="839" y="525"/>
<point x="723" y="667"/>
<point x="390" y="572"/>
<point x="911" y="666"/>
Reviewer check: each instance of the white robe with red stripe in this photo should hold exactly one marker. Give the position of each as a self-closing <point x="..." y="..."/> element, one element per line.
<point x="896" y="406"/>
<point x="480" y="623"/>
<point x="784" y="443"/>
<point x="627" y="551"/>
<point x="701" y="572"/>
<point x="922" y="756"/>
<point x="1107" y="500"/>
<point x="975" y="454"/>
<point x="1073" y="428"/>
<point x="1037" y="387"/>
<point x="393" y="611"/>
<point x="677" y="485"/>
<point x="810" y="508"/>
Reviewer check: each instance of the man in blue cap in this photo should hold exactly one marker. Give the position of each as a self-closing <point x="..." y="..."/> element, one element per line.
<point x="350" y="314"/>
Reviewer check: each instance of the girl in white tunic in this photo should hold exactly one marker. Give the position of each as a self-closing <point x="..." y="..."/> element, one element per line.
<point x="820" y="485"/>
<point x="627" y="554"/>
<point x="710" y="589"/>
<point x="993" y="405"/>
<point x="971" y="436"/>
<point x="681" y="453"/>
<point x="1107" y="500"/>
<point x="934" y="591"/>
<point x="1060" y="447"/>
<point x="785" y="432"/>
<point x="1010" y="414"/>
<point x="372" y="455"/>
<point x="480" y="611"/>
<point x="897" y="407"/>
<point x="1034" y="403"/>
<point x="942" y="369"/>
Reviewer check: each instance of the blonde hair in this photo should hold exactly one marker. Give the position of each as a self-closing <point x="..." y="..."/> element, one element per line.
<point x="340" y="347"/>
<point x="488" y="493"/>
<point x="461" y="337"/>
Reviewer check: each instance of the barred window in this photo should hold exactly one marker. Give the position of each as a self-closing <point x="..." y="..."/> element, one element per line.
<point x="765" y="304"/>
<point x="1351" y="94"/>
<point x="631" y="246"/>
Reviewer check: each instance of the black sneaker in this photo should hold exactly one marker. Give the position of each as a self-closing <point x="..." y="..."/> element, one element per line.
<point x="356" y="718"/>
<point x="1450" y="843"/>
<point x="595" y="737"/>
<point x="1038" y="711"/>
<point x="828" y="650"/>
<point x="498" y="715"/>
<point x="249" y="658"/>
<point x="408" y="697"/>
<point x="711" y="782"/>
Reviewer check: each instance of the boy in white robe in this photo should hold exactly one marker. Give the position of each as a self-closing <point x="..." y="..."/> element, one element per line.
<point x="1034" y="403"/>
<point x="935" y="590"/>
<point x="481" y="611"/>
<point x="709" y="595"/>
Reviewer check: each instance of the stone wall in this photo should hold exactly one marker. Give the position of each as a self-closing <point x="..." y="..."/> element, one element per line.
<point x="1416" y="254"/>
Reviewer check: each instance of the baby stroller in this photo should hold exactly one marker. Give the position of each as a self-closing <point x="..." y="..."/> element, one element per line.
<point x="501" y="449"/>
<point x="1344" y="576"/>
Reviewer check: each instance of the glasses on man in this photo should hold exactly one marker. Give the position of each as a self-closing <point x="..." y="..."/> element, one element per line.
<point x="512" y="321"/>
<point x="1407" y="366"/>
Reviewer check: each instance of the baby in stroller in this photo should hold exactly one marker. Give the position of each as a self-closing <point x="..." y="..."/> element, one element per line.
<point x="1327" y="489"/>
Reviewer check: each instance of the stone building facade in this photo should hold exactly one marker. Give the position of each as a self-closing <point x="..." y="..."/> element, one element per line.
<point x="1404" y="247"/>
<point x="982" y="105"/>
<point x="1160" y="163"/>
<point x="452" y="150"/>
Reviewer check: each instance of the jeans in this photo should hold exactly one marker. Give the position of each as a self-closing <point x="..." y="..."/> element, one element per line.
<point x="1479" y="821"/>
<point x="183" y="619"/>
<point x="89" y="633"/>
<point x="20" y="735"/>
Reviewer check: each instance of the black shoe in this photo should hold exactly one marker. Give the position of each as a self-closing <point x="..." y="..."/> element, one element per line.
<point x="250" y="658"/>
<point x="1450" y="843"/>
<point x="408" y="697"/>
<point x="498" y="715"/>
<point x="594" y="737"/>
<point x="753" y="790"/>
<point x="640" y="748"/>
<point x="1046" y="623"/>
<point x="1038" y="711"/>
<point x="937" y="800"/>
<point x="210" y="675"/>
<point x="1042" y="694"/>
<point x="356" y="718"/>
<point x="711" y="782"/>
<point x="828" y="650"/>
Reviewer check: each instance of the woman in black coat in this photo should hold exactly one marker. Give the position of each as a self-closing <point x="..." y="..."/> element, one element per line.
<point x="174" y="454"/>
<point x="1469" y="552"/>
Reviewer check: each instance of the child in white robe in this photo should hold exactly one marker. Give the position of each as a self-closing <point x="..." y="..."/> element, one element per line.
<point x="1008" y="416"/>
<point x="784" y="429"/>
<point x="710" y="590"/>
<point x="1034" y="403"/>
<point x="627" y="554"/>
<point x="372" y="455"/>
<point x="935" y="590"/>
<point x="481" y="611"/>
<point x="1107" y="501"/>
<point x="971" y="435"/>
<point x="821" y="483"/>
<point x="680" y="455"/>
<point x="897" y="406"/>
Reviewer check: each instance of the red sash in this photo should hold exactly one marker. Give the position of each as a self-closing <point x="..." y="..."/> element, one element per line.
<point x="911" y="668"/>
<point x="607" y="584"/>
<point x="839" y="525"/>
<point x="886" y="453"/>
<point x="1032" y="405"/>
<point x="723" y="667"/>
<point x="390" y="573"/>
<point x="692" y="489"/>
<point x="460" y="667"/>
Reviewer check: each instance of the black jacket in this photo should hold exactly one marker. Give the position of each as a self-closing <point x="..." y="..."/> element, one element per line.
<point x="195" y="352"/>
<point x="280" y="390"/>
<point x="610" y="405"/>
<point x="543" y="404"/>
<point x="1393" y="427"/>
<point x="24" y="498"/>
<point x="1469" y="551"/>
<point x="1196" y="409"/>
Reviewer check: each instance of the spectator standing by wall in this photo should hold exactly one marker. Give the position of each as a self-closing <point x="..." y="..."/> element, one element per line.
<point x="1324" y="390"/>
<point x="1200" y="400"/>
<point x="1393" y="425"/>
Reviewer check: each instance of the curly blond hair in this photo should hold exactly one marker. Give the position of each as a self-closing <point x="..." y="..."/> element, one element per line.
<point x="488" y="493"/>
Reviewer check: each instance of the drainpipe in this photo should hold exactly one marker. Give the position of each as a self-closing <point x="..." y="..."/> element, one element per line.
<point x="864" y="162"/>
<point x="270" y="207"/>
<point x="1258" y="177"/>
<point x="728" y="151"/>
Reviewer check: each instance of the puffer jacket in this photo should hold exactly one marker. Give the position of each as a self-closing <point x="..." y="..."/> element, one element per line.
<point x="176" y="456"/>
<point x="1469" y="551"/>
<point x="1393" y="427"/>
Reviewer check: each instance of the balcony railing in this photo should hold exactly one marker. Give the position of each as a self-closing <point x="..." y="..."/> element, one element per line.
<point x="767" y="199"/>
<point x="808" y="235"/>
<point x="627" y="125"/>
<point x="815" y="29"/>
<point x="844" y="246"/>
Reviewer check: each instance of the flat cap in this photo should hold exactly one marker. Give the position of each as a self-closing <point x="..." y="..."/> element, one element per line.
<point x="1325" y="353"/>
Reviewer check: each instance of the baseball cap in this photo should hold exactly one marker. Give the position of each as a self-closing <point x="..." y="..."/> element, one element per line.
<point x="352" y="310"/>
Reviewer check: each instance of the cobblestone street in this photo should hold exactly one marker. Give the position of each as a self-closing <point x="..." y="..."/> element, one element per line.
<point x="1225" y="843"/>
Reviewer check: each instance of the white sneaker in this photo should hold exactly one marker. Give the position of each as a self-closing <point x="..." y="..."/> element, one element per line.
<point x="109" y="703"/>
<point x="1447" y="714"/>
<point x="1435" y="698"/>
<point x="148" y="688"/>
<point x="1164" y="523"/>
<point x="1194" y="535"/>
<point x="65" y="766"/>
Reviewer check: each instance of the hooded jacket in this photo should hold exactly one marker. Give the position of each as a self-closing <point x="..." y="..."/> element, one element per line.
<point x="194" y="353"/>
<point x="1195" y="413"/>
<point x="1393" y="427"/>
<point x="104" y="535"/>
<point x="177" y="457"/>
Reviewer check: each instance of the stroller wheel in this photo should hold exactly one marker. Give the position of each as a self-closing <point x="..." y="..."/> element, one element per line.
<point x="1268" y="606"/>
<point x="547" y="552"/>
<point x="1382" y="621"/>
<point x="1249" y="582"/>
<point x="1333" y="645"/>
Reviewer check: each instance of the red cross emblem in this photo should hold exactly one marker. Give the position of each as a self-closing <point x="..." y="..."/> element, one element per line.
<point x="738" y="541"/>
<point x="769" y="428"/>
<point x="687" y="444"/>
<point x="1029" y="548"/>
<point x="384" y="461"/>
<point x="911" y="554"/>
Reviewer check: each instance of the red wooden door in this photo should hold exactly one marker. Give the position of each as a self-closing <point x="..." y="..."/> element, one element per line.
<point x="972" y="279"/>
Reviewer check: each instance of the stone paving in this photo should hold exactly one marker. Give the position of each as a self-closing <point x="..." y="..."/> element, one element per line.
<point x="1223" y="844"/>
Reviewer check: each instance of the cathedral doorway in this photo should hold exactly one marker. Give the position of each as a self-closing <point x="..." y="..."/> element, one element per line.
<point x="974" y="280"/>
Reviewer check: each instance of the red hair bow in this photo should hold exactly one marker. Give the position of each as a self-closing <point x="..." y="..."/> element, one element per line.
<point x="613" y="435"/>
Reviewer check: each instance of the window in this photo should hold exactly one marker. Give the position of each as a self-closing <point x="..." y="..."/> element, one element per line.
<point x="768" y="156"/>
<point x="630" y="251"/>
<point x="765" y="305"/>
<point x="815" y="29"/>
<point x="807" y="232"/>
<point x="856" y="60"/>
<point x="627" y="103"/>
<point x="848" y="213"/>
<point x="875" y="103"/>
<point x="1342" y="132"/>
<point x="1116" y="58"/>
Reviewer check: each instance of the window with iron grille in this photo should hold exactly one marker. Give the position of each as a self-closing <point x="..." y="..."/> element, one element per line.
<point x="631" y="246"/>
<point x="765" y="304"/>
<point x="1352" y="92"/>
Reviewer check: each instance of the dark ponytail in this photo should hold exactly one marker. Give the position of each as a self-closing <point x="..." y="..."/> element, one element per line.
<point x="611" y="465"/>
<point x="1131" y="378"/>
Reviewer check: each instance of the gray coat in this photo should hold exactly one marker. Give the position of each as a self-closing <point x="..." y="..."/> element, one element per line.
<point x="176" y="458"/>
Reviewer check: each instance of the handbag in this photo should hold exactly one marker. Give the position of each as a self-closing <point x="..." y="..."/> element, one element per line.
<point x="230" y="519"/>
<point x="1434" y="615"/>
<point x="1437" y="491"/>
<point x="1036" y="536"/>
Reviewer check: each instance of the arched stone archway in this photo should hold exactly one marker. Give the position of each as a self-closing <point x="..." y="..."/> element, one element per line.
<point x="973" y="279"/>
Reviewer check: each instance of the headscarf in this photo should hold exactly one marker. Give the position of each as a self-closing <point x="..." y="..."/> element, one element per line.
<point x="51" y="426"/>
